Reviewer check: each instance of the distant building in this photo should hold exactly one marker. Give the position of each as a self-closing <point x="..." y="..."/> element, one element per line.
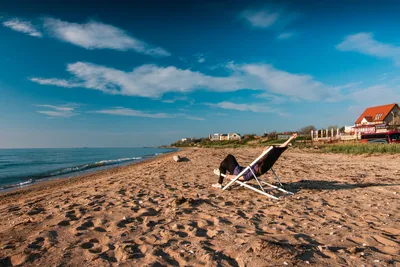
<point x="214" y="137"/>
<point x="349" y="129"/>
<point x="187" y="139"/>
<point x="377" y="119"/>
<point x="284" y="136"/>
<point x="234" y="136"/>
<point x="224" y="137"/>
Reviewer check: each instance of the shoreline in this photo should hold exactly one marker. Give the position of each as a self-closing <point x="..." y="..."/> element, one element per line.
<point x="62" y="181"/>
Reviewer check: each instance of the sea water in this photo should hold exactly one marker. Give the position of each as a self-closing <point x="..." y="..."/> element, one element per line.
<point x="21" y="167"/>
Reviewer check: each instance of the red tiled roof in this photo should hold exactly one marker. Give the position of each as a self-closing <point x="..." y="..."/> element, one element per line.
<point x="370" y="113"/>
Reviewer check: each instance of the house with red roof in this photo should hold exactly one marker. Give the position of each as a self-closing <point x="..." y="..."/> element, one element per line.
<point x="377" y="119"/>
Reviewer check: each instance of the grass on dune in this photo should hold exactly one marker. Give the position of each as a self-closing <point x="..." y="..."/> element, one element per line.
<point x="345" y="148"/>
<point x="363" y="148"/>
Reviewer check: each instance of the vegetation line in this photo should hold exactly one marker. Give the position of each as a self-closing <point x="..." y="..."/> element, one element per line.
<point x="362" y="148"/>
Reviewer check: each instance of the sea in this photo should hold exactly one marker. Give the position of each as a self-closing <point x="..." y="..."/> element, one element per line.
<point x="23" y="167"/>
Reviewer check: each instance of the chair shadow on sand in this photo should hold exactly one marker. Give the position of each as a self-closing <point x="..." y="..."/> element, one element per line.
<point x="329" y="185"/>
<point x="184" y="159"/>
<point x="181" y="159"/>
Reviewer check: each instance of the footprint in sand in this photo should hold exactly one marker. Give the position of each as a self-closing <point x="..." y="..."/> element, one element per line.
<point x="165" y="256"/>
<point x="132" y="251"/>
<point x="35" y="211"/>
<point x="71" y="215"/>
<point x="37" y="244"/>
<point x="148" y="212"/>
<point x="126" y="220"/>
<point x="87" y="245"/>
<point x="64" y="223"/>
<point x="221" y="220"/>
<point x="13" y="208"/>
<point x="386" y="241"/>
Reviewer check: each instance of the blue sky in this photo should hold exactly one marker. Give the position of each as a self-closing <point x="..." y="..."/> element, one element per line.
<point x="143" y="73"/>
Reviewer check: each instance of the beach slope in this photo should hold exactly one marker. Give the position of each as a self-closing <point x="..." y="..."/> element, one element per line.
<point x="165" y="213"/>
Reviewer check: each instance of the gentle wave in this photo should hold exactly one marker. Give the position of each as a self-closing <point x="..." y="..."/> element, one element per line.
<point x="21" y="184"/>
<point x="37" y="177"/>
<point x="91" y="165"/>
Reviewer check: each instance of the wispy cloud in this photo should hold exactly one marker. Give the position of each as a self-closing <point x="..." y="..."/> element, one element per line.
<point x="365" y="43"/>
<point x="384" y="76"/>
<point x="268" y="17"/>
<point x="121" y="111"/>
<point x="56" y="82"/>
<point x="261" y="18"/>
<point x="174" y="99"/>
<point x="272" y="80"/>
<point x="257" y="108"/>
<point x="90" y="35"/>
<point x="146" y="81"/>
<point x="348" y="86"/>
<point x="65" y="111"/>
<point x="374" y="95"/>
<point x="201" y="57"/>
<point x="154" y="81"/>
<point x="274" y="99"/>
<point x="23" y="26"/>
<point x="97" y="35"/>
<point x="285" y="35"/>
<point x="132" y="113"/>
<point x="190" y="117"/>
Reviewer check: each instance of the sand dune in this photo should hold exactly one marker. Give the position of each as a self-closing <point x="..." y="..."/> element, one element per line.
<point x="345" y="211"/>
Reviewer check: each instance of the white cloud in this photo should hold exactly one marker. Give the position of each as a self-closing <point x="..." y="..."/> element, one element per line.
<point x="58" y="111"/>
<point x="275" y="99"/>
<point x="348" y="87"/>
<point x="24" y="26"/>
<point x="56" y="82"/>
<point x="176" y="98"/>
<point x="154" y="81"/>
<point x="137" y="113"/>
<point x="200" y="57"/>
<point x="271" y="16"/>
<point x="241" y="107"/>
<point x="285" y="35"/>
<point x="190" y="117"/>
<point x="146" y="80"/>
<point x="132" y="113"/>
<point x="270" y="79"/>
<point x="260" y="18"/>
<point x="97" y="35"/>
<point x="365" y="43"/>
<point x="384" y="76"/>
<point x="257" y="108"/>
<point x="376" y="95"/>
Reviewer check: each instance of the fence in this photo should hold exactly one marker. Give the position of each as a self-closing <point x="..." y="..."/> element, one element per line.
<point x="331" y="135"/>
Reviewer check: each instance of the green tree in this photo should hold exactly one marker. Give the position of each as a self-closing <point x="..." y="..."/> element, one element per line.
<point x="272" y="135"/>
<point x="334" y="127"/>
<point x="307" y="129"/>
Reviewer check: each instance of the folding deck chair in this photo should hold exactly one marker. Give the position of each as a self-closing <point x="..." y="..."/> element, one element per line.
<point x="272" y="155"/>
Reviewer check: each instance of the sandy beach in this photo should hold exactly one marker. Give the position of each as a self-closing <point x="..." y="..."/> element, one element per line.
<point x="345" y="212"/>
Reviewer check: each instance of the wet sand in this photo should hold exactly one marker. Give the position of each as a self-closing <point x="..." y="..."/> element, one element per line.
<point x="345" y="212"/>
